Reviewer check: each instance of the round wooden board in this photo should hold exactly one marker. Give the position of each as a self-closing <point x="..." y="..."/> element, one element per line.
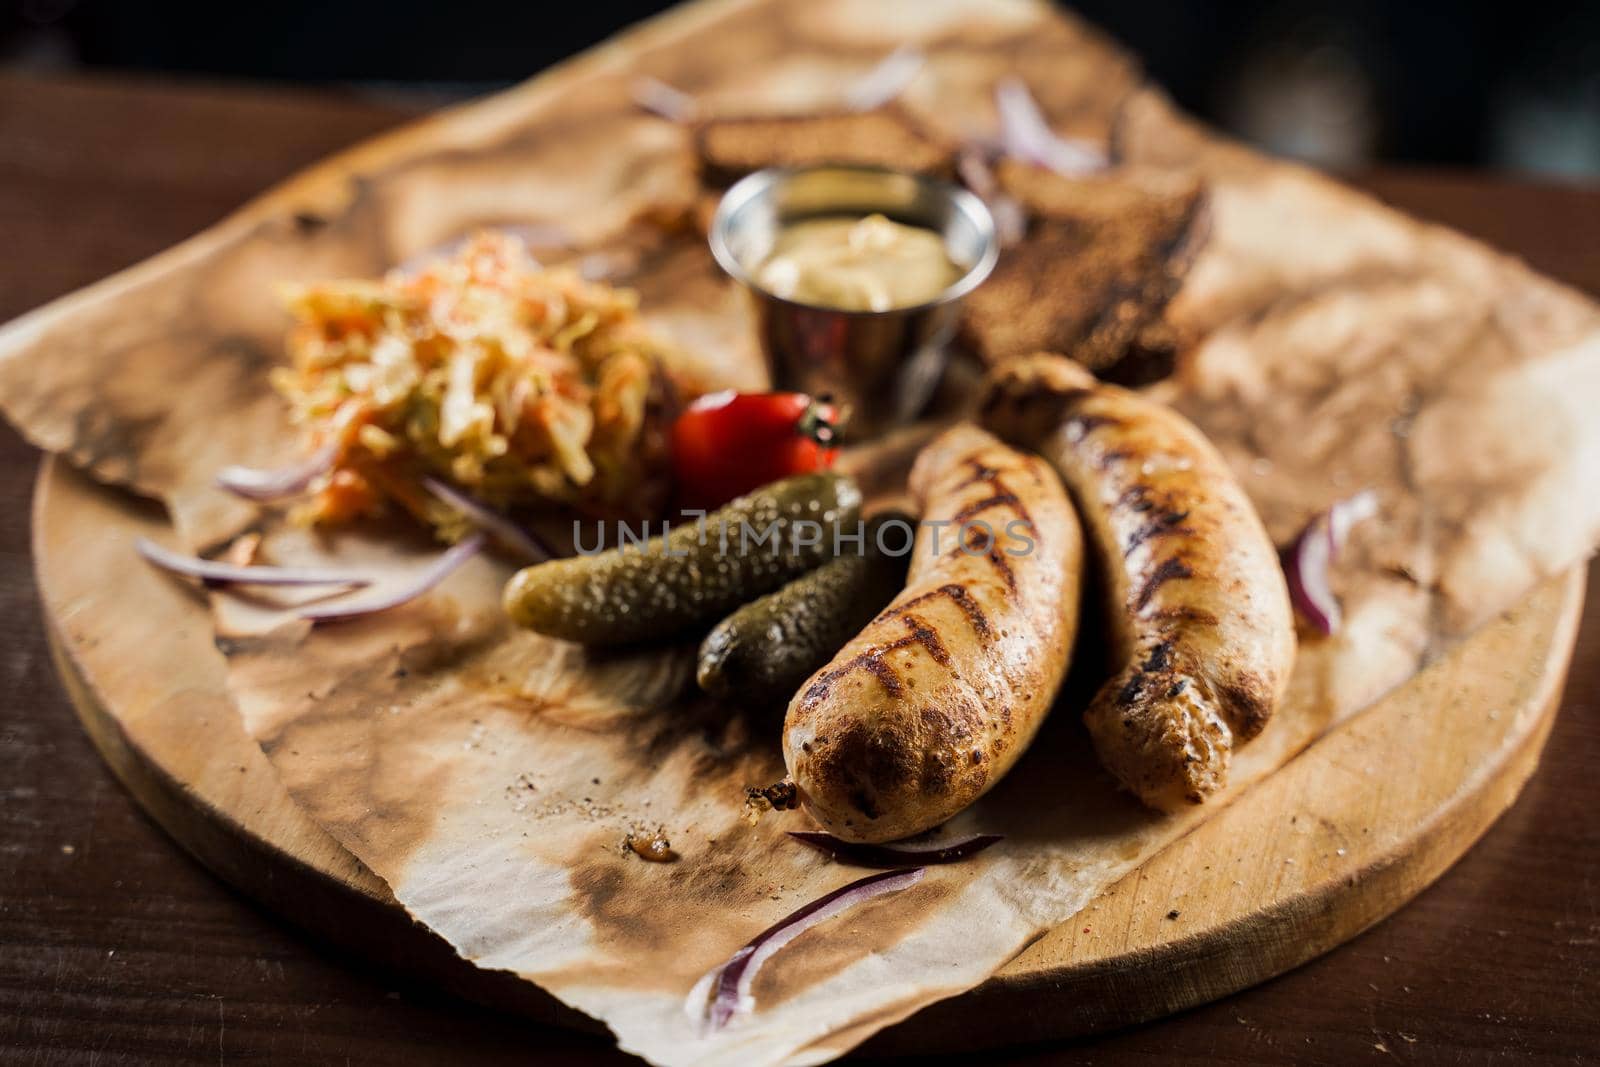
<point x="1340" y="838"/>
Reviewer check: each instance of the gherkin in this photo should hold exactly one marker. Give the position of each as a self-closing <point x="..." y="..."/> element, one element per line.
<point x="694" y="575"/>
<point x="762" y="652"/>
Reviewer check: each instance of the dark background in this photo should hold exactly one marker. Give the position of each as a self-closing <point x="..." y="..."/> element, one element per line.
<point x="1512" y="86"/>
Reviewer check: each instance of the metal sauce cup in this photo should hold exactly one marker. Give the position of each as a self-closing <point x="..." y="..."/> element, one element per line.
<point x="881" y="365"/>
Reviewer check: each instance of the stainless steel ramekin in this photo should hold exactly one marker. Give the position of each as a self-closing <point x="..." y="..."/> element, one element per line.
<point x="881" y="364"/>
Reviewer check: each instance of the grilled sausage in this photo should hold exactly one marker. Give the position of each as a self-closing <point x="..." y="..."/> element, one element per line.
<point x="934" y="701"/>
<point x="1201" y="628"/>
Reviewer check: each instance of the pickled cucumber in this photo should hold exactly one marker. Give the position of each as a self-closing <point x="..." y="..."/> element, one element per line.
<point x="762" y="652"/>
<point x="695" y="574"/>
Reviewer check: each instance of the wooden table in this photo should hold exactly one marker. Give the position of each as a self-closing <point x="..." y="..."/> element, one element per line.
<point x="114" y="946"/>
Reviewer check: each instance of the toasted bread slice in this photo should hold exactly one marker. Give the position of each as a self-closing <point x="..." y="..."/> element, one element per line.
<point x="1105" y="196"/>
<point x="730" y="148"/>
<point x="1092" y="277"/>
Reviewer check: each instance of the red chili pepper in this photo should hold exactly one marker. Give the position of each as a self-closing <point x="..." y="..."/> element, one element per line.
<point x="726" y="444"/>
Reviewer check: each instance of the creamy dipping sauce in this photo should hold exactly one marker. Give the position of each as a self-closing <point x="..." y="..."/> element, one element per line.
<point x="857" y="264"/>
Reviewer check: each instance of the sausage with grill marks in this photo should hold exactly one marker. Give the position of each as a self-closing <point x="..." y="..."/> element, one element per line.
<point x="1201" y="628"/>
<point x="938" y="696"/>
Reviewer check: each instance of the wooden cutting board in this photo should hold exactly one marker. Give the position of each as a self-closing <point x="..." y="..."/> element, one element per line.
<point x="1337" y="840"/>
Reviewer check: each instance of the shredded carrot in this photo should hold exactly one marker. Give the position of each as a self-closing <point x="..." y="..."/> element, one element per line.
<point x="519" y="384"/>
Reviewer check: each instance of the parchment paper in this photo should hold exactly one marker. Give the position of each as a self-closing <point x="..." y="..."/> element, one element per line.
<point x="490" y="775"/>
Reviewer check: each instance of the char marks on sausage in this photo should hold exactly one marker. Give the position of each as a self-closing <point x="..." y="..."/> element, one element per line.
<point x="1201" y="627"/>
<point x="936" y="699"/>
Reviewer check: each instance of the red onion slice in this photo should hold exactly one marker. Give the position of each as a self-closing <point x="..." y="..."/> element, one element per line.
<point x="490" y="521"/>
<point x="892" y="856"/>
<point x="424" y="580"/>
<point x="1024" y="134"/>
<point x="1010" y="217"/>
<point x="885" y="81"/>
<point x="1346" y="514"/>
<point x="1307" y="563"/>
<point x="255" y="484"/>
<point x="972" y="167"/>
<point x="1306" y="568"/>
<point x="725" y="991"/>
<point x="663" y="100"/>
<point x="215" y="572"/>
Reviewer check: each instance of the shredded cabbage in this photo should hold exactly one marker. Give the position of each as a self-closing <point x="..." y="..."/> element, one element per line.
<point x="521" y="385"/>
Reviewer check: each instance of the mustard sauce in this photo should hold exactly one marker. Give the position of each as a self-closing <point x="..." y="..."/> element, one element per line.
<point x="857" y="264"/>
